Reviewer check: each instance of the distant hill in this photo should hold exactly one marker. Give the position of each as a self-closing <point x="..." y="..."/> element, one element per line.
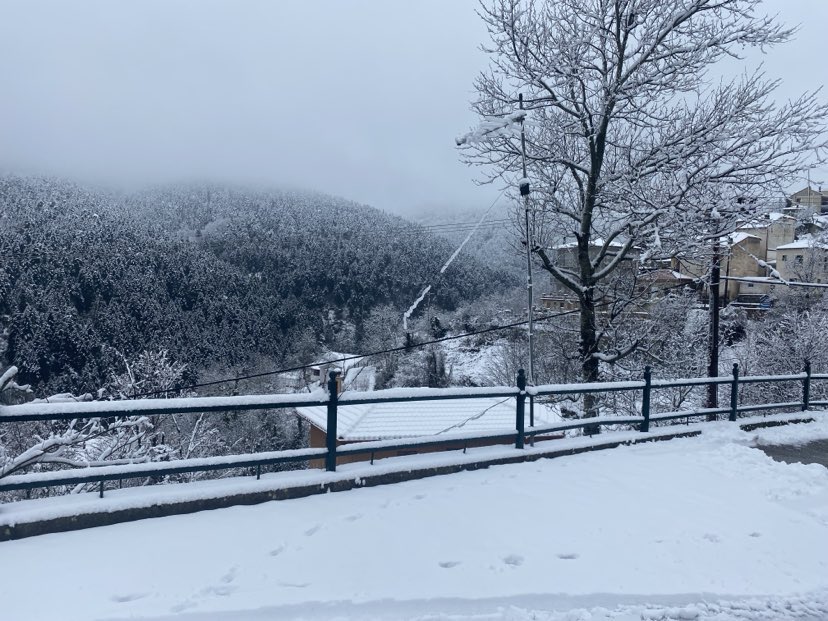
<point x="215" y="275"/>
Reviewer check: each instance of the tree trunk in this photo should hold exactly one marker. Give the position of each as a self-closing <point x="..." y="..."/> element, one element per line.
<point x="589" y="363"/>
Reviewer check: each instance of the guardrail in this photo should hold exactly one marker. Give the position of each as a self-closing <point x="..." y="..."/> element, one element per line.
<point x="521" y="392"/>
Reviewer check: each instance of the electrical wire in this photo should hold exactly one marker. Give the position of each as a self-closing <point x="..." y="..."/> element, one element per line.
<point x="773" y="282"/>
<point x="464" y="225"/>
<point x="390" y="350"/>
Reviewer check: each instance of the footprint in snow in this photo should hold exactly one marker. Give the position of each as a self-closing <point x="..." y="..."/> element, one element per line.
<point x="354" y="517"/>
<point x="515" y="560"/>
<point x="230" y="575"/>
<point x="127" y="597"/>
<point x="755" y="534"/>
<point x="183" y="606"/>
<point x="571" y="556"/>
<point x="221" y="590"/>
<point x="312" y="530"/>
<point x="712" y="538"/>
<point x="448" y="564"/>
<point x="294" y="585"/>
<point x="419" y="496"/>
<point x="277" y="551"/>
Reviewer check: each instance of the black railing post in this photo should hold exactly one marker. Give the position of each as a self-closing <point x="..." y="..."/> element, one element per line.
<point x="734" y="393"/>
<point x="521" y="406"/>
<point x="330" y="438"/>
<point x="645" y="400"/>
<point x="806" y="386"/>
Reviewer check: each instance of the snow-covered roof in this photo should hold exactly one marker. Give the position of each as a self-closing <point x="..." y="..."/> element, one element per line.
<point x="820" y="221"/>
<point x="809" y="191"/>
<point x="362" y="379"/>
<point x="410" y="419"/>
<point x="665" y="275"/>
<point x="339" y="359"/>
<point x="801" y="244"/>
<point x="597" y="242"/>
<point x="739" y="237"/>
<point x="765" y="221"/>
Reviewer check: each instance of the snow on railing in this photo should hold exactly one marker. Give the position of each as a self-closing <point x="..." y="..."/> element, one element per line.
<point x="517" y="434"/>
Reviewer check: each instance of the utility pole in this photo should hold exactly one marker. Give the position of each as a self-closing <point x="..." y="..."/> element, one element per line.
<point x="524" y="192"/>
<point x="810" y="208"/>
<point x="713" y="302"/>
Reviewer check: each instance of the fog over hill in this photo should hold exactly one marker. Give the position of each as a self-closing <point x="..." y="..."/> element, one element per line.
<point x="495" y="239"/>
<point x="217" y="276"/>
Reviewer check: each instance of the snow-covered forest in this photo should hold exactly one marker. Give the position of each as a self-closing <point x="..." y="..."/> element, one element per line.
<point x="222" y="280"/>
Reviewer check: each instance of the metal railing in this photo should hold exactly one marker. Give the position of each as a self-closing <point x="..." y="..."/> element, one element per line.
<point x="521" y="393"/>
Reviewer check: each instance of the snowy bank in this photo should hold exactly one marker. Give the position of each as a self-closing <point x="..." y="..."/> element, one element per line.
<point x="704" y="528"/>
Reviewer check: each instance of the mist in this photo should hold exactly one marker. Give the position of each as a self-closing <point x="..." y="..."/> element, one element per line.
<point x="359" y="99"/>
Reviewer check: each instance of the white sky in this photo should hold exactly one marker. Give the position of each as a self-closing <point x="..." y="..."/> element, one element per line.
<point x="361" y="98"/>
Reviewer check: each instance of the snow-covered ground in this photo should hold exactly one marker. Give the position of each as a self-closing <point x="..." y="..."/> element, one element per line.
<point x="793" y="434"/>
<point x="472" y="363"/>
<point x="701" y="528"/>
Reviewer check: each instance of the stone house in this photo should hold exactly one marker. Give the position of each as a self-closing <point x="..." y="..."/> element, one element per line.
<point x="565" y="255"/>
<point x="740" y="252"/>
<point x="807" y="202"/>
<point x="805" y="260"/>
<point x="773" y="230"/>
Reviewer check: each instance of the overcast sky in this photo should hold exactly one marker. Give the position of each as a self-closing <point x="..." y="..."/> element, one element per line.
<point x="360" y="98"/>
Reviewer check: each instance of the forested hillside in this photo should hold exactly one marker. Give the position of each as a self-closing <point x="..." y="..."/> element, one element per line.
<point x="218" y="277"/>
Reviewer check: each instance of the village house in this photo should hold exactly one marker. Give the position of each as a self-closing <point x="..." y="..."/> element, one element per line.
<point x="773" y="230"/>
<point x="740" y="255"/>
<point x="805" y="260"/>
<point x="658" y="282"/>
<point x="415" y="419"/>
<point x="807" y="202"/>
<point x="559" y="297"/>
<point x="354" y="374"/>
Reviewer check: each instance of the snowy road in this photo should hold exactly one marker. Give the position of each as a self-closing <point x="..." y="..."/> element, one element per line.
<point x="810" y="453"/>
<point x="660" y="531"/>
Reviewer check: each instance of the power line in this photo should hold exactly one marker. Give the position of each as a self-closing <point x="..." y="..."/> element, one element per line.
<point x="458" y="229"/>
<point x="462" y="224"/>
<point x="774" y="281"/>
<point x="386" y="351"/>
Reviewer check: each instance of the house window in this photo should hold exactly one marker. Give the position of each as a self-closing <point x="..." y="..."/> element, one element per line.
<point x="784" y="257"/>
<point x="799" y="258"/>
<point x="750" y="285"/>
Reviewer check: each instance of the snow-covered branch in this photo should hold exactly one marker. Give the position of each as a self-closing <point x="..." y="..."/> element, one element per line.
<point x="634" y="150"/>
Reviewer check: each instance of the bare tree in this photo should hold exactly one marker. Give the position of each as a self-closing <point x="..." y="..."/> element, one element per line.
<point x="630" y="140"/>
